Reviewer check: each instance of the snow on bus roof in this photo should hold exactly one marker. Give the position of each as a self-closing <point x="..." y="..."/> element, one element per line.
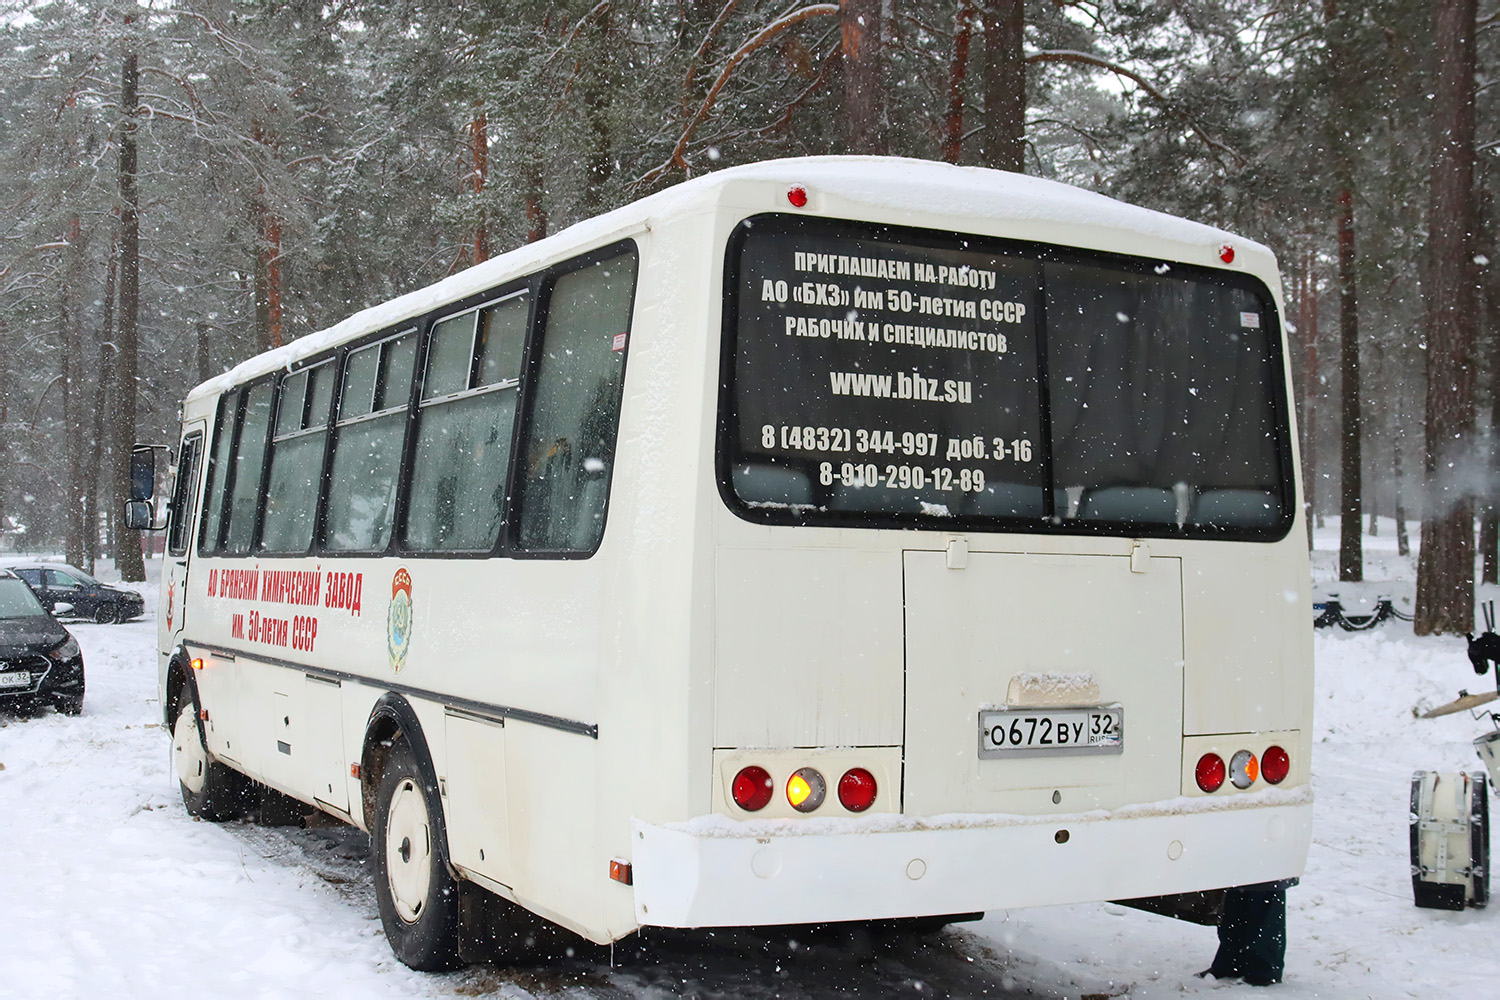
<point x="891" y="186"/>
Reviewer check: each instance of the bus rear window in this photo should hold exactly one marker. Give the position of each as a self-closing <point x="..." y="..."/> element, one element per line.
<point x="929" y="379"/>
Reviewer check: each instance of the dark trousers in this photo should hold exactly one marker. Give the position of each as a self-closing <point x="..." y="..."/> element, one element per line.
<point x="1252" y="935"/>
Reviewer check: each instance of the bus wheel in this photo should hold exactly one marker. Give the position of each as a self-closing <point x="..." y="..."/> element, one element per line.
<point x="210" y="790"/>
<point x="417" y="897"/>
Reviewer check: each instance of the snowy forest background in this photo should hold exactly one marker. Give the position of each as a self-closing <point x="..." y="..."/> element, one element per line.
<point x="185" y="183"/>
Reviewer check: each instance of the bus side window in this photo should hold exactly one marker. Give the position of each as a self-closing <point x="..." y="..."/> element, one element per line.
<point x="184" y="492"/>
<point x="297" y="448"/>
<point x="248" y="463"/>
<point x="465" y="421"/>
<point x="369" y="435"/>
<point x="212" y="535"/>
<point x="574" y="408"/>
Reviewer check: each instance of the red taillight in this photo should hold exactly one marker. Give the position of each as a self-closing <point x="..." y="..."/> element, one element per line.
<point x="1275" y="765"/>
<point x="752" y="788"/>
<point x="1210" y="772"/>
<point x="857" y="790"/>
<point x="798" y="197"/>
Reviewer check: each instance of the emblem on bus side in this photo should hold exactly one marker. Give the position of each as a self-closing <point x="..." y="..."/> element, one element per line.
<point x="398" y="620"/>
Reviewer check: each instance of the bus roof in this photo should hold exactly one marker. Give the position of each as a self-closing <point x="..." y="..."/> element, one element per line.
<point x="895" y="190"/>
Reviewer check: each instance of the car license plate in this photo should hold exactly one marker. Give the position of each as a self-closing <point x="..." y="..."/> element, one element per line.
<point x="1040" y="732"/>
<point x="15" y="679"/>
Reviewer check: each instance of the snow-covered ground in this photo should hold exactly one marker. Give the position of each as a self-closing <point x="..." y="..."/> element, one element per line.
<point x="110" y="890"/>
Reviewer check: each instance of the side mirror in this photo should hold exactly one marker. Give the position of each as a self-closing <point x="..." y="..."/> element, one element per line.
<point x="138" y="516"/>
<point x="61" y="608"/>
<point x="142" y="472"/>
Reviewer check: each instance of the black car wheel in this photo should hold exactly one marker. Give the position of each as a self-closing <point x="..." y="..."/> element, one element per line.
<point x="210" y="790"/>
<point x="418" y="899"/>
<point x="106" y="614"/>
<point x="69" y="704"/>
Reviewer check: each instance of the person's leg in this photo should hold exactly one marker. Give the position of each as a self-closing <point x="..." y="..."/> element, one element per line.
<point x="1252" y="937"/>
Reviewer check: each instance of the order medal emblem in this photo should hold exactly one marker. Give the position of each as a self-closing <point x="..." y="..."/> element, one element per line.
<point x="398" y="620"/>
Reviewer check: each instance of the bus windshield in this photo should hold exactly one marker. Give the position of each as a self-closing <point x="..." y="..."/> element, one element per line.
<point x="930" y="379"/>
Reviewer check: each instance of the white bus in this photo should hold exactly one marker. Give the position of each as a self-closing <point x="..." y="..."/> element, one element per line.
<point x="819" y="540"/>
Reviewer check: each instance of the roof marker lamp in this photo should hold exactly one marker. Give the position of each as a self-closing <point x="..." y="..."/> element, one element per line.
<point x="806" y="789"/>
<point x="797" y="196"/>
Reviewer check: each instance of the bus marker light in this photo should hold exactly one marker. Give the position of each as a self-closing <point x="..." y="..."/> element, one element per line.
<point x="354" y="771"/>
<point x="1275" y="765"/>
<point x="798" y="197"/>
<point x="857" y="789"/>
<point x="1210" y="772"/>
<point x="806" y="789"/>
<point x="197" y="663"/>
<point x="620" y="872"/>
<point x="1244" y="769"/>
<point x="203" y="714"/>
<point x="752" y="788"/>
<point x="1226" y="253"/>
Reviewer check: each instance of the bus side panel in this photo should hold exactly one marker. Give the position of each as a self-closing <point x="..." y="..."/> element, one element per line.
<point x="478" y="797"/>
<point x="809" y="648"/>
<point x="558" y="869"/>
<point x="1246" y="621"/>
<point x="655" y="683"/>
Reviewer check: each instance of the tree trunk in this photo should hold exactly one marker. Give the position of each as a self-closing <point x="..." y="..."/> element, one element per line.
<point x="205" y="357"/>
<point x="958" y="68"/>
<point x="865" y="127"/>
<point x="1351" y="554"/>
<point x="1403" y="543"/>
<point x="479" y="151"/>
<point x="6" y="433"/>
<point x="1445" y="566"/>
<point x="70" y="310"/>
<point x="1004" y="143"/>
<point x="1489" y="522"/>
<point x="126" y="545"/>
<point x="104" y="486"/>
<point x="1307" y="325"/>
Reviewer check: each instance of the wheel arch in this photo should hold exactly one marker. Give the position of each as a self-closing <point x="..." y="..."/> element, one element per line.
<point x="392" y="718"/>
<point x="180" y="683"/>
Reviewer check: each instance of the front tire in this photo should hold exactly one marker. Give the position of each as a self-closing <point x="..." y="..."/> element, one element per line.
<point x="105" y="614"/>
<point x="418" y="899"/>
<point x="210" y="790"/>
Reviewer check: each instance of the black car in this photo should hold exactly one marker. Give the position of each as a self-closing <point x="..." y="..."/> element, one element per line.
<point x="58" y="583"/>
<point x="40" y="662"/>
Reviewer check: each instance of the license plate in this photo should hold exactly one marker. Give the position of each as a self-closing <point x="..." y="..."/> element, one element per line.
<point x="1041" y="732"/>
<point x="15" y="679"/>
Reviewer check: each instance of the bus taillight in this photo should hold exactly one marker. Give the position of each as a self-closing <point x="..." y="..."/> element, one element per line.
<point x="857" y="789"/>
<point x="1210" y="772"/>
<point x="1244" y="769"/>
<point x="806" y="789"/>
<point x="752" y="788"/>
<point x="1275" y="765"/>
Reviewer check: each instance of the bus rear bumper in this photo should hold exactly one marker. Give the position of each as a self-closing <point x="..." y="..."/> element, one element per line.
<point x="716" y="873"/>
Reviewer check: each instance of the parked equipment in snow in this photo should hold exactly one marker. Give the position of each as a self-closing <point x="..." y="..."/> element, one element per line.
<point x="1450" y="839"/>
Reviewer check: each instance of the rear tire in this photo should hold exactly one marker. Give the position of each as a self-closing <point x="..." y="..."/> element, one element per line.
<point x="210" y="790"/>
<point x="418" y="899"/>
